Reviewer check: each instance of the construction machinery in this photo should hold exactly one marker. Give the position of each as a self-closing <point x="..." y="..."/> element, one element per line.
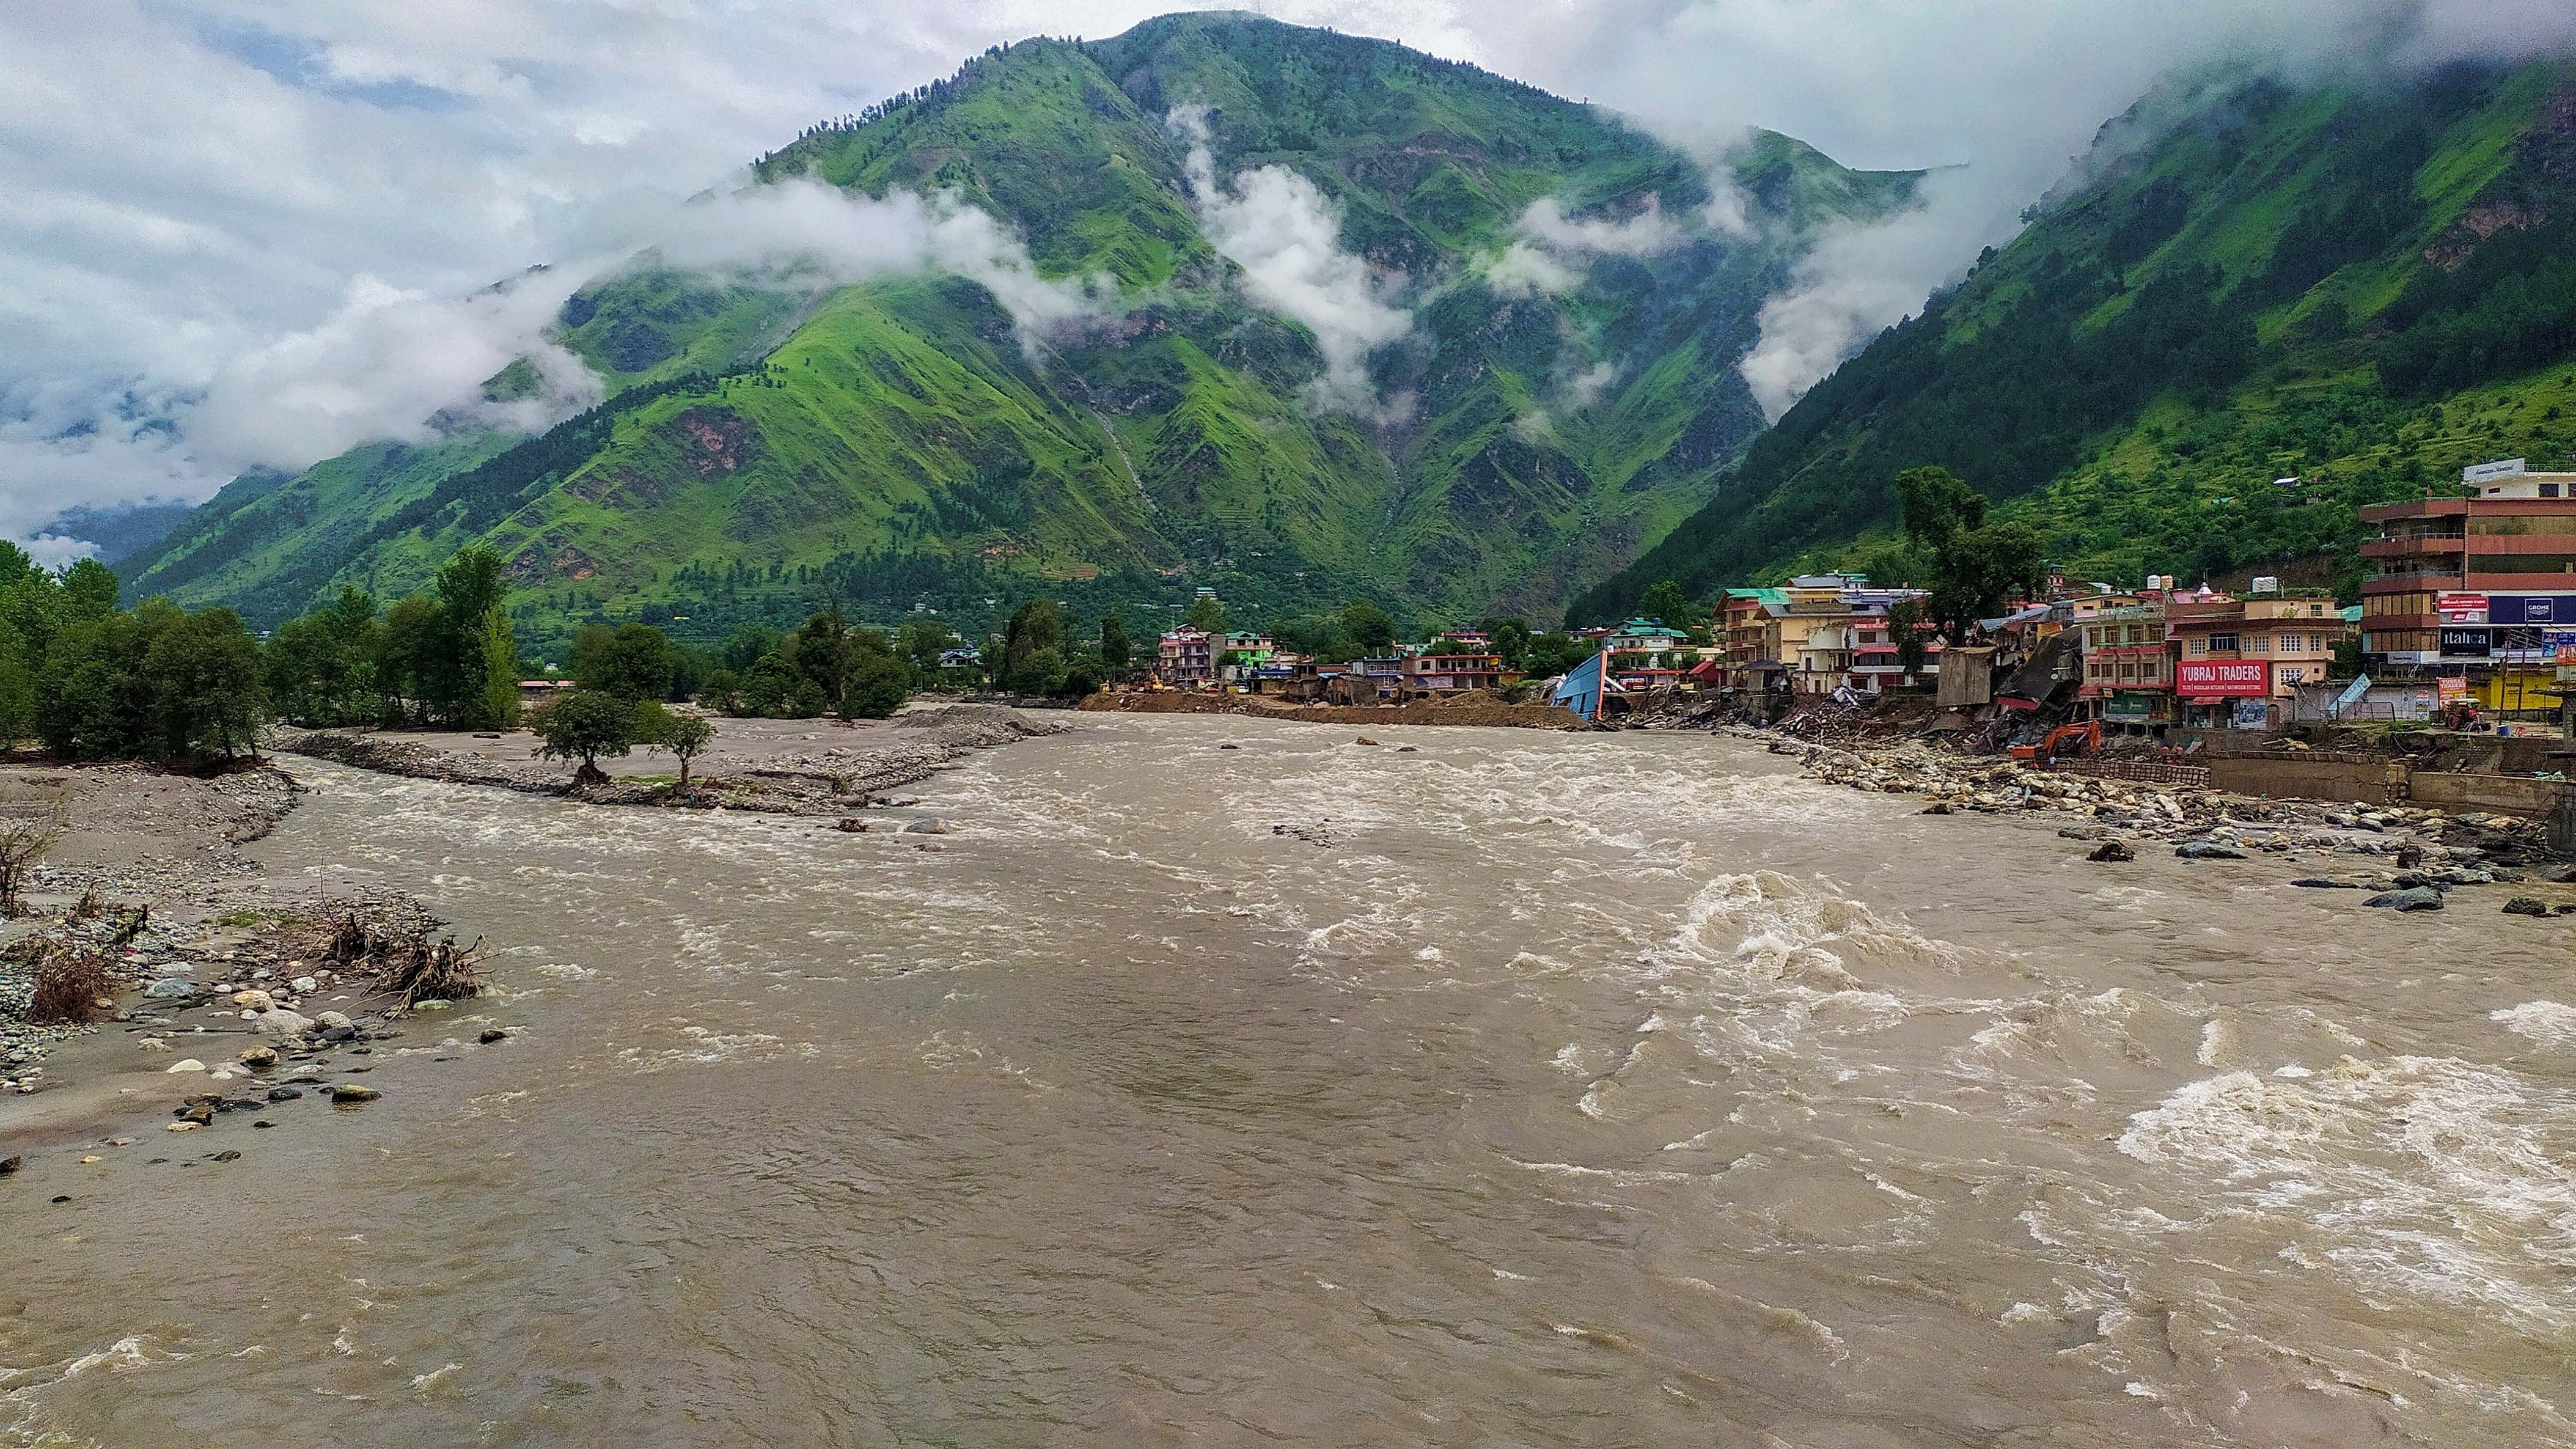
<point x="2074" y="739"/>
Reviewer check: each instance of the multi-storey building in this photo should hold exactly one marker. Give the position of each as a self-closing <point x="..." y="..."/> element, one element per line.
<point x="1187" y="658"/>
<point x="2239" y="662"/>
<point x="2128" y="665"/>
<point x="2481" y="588"/>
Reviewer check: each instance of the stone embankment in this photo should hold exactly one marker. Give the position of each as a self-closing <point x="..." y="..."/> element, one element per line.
<point x="823" y="782"/>
<point x="2410" y="857"/>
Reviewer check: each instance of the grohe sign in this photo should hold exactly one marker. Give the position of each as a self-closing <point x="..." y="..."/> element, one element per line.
<point x="2223" y="678"/>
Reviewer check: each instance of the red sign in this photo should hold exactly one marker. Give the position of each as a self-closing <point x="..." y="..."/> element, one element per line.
<point x="2461" y="608"/>
<point x="2224" y="678"/>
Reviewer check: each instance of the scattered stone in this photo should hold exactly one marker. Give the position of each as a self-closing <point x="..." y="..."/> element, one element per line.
<point x="334" y="1021"/>
<point x="305" y="985"/>
<point x="263" y="1124"/>
<point x="1363" y="740"/>
<point x="260" y="1058"/>
<point x="2526" y="906"/>
<point x="350" y="1093"/>
<point x="278" y="1021"/>
<point x="491" y="1035"/>
<point x="426" y="1004"/>
<point x="1229" y="747"/>
<point x="229" y="1154"/>
<point x="184" y="1064"/>
<point x="253" y="1000"/>
<point x="927" y="827"/>
<point x="2328" y="883"/>
<point x="283" y="1094"/>
<point x="1937" y="807"/>
<point x="13" y="1162"/>
<point x="852" y="824"/>
<point x="169" y="987"/>
<point x="2207" y="850"/>
<point x="183" y="1126"/>
<point x="2111" y="850"/>
<point x="2414" y="898"/>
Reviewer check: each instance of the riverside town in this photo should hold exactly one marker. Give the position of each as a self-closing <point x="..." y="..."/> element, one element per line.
<point x="1727" y="724"/>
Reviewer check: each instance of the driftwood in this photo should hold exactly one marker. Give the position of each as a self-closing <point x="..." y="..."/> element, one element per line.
<point x="406" y="958"/>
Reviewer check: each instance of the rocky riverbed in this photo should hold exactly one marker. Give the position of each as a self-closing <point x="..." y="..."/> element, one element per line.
<point x="146" y="940"/>
<point x="2405" y="857"/>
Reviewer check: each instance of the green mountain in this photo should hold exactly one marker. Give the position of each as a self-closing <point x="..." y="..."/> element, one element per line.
<point x="2360" y="287"/>
<point x="894" y="442"/>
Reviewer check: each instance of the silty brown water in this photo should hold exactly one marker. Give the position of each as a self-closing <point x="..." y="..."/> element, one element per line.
<point x="1524" y="1089"/>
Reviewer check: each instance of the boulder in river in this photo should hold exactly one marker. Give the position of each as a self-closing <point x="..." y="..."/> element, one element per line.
<point x="279" y="1021"/>
<point x="2207" y="850"/>
<point x="2327" y="883"/>
<point x="2525" y="906"/>
<point x="350" y="1093"/>
<point x="2413" y="898"/>
<point x="2111" y="850"/>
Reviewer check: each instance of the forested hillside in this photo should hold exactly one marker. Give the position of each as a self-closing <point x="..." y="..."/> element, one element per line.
<point x="1562" y="391"/>
<point x="2263" y="307"/>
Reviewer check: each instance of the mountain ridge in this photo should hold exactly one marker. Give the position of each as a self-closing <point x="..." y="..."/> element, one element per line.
<point x="890" y="440"/>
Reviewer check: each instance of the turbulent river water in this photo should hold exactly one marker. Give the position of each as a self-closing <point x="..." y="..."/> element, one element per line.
<point x="1526" y="1089"/>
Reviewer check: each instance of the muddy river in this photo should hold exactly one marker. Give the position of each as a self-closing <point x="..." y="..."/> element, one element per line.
<point x="1522" y="1089"/>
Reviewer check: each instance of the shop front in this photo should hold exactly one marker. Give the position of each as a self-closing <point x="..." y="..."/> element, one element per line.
<point x="2226" y="694"/>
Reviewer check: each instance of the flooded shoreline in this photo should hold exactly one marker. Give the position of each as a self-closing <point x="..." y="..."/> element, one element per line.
<point x="1532" y="1087"/>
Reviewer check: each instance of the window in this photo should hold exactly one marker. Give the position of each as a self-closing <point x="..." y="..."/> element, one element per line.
<point x="2222" y="643"/>
<point x="2257" y="644"/>
<point x="2548" y="490"/>
<point x="2199" y="646"/>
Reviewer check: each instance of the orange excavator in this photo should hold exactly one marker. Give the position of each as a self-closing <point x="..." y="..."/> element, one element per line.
<point x="2074" y="739"/>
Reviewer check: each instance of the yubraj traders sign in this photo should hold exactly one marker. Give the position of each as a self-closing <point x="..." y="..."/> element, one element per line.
<point x="2223" y="678"/>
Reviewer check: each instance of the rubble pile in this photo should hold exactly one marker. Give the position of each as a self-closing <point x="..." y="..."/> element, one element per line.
<point x="2431" y="849"/>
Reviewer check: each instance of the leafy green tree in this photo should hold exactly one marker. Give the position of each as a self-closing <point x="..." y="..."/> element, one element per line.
<point x="1663" y="602"/>
<point x="412" y="658"/>
<point x="686" y="735"/>
<point x="1974" y="567"/>
<point x="1116" y="650"/>
<point x="208" y="690"/>
<point x="1370" y="630"/>
<point x="1905" y="620"/>
<point x="822" y="653"/>
<point x="921" y="642"/>
<point x="475" y="679"/>
<point x="1554" y="653"/>
<point x="93" y="701"/>
<point x="1511" y="640"/>
<point x="1206" y="612"/>
<point x="1083" y="675"/>
<point x="879" y="678"/>
<point x="585" y="724"/>
<point x="1033" y="648"/>
<point x="631" y="661"/>
<point x="322" y="669"/>
<point x="89" y="591"/>
<point x="775" y="688"/>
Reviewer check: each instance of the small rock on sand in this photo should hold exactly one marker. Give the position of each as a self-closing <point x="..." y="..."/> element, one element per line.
<point x="349" y="1093"/>
<point x="185" y="1064"/>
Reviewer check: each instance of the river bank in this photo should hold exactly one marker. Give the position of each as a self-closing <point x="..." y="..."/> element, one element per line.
<point x="787" y="767"/>
<point x="155" y="965"/>
<point x="1476" y="710"/>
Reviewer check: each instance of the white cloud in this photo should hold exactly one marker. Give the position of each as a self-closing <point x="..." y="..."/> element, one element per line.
<point x="188" y="187"/>
<point x="1286" y="237"/>
<point x="380" y="367"/>
<point x="1553" y="249"/>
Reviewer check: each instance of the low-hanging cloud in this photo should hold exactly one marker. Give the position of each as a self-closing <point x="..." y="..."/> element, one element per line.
<point x="1551" y="250"/>
<point x="186" y="182"/>
<point x="1286" y="237"/>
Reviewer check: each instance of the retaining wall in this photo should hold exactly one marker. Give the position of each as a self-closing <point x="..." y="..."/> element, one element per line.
<point x="2302" y="777"/>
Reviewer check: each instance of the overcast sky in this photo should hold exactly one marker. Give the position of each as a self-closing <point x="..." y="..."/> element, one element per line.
<point x="231" y="231"/>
